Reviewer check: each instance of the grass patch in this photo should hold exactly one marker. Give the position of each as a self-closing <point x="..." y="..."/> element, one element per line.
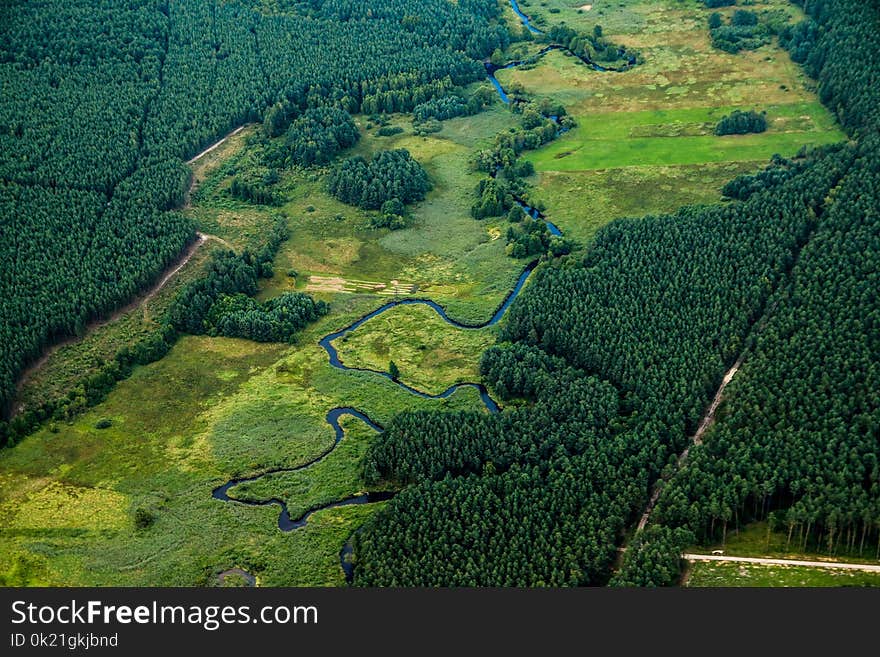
<point x="333" y="478"/>
<point x="629" y="192"/>
<point x="720" y="573"/>
<point x="431" y="354"/>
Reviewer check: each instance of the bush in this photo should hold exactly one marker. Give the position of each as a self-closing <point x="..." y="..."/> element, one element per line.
<point x="143" y="518"/>
<point x="103" y="423"/>
<point x="389" y="131"/>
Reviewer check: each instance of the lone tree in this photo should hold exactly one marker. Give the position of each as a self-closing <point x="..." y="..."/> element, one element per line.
<point x="393" y="370"/>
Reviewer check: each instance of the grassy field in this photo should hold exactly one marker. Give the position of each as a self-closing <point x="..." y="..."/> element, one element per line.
<point x="682" y="136"/>
<point x="333" y="478"/>
<point x="431" y="354"/>
<point x="629" y="192"/>
<point x="444" y="252"/>
<point x="644" y="141"/>
<point x="719" y="573"/>
<point x="211" y="410"/>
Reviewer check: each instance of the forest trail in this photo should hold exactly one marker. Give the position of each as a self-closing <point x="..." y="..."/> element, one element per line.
<point x="140" y="300"/>
<point x="696" y="439"/>
<point x="216" y="145"/>
<point x="785" y="562"/>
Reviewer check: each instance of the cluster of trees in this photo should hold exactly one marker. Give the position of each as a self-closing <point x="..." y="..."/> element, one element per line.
<point x="276" y="320"/>
<point x="228" y="273"/>
<point x="541" y="122"/>
<point x="530" y="237"/>
<point x="314" y="137"/>
<point x="590" y="47"/>
<point x="834" y="45"/>
<point x="742" y="123"/>
<point x="796" y="439"/>
<point x="103" y="100"/>
<point x="389" y="131"/>
<point x="370" y="184"/>
<point x="494" y="198"/>
<point x="393" y="215"/>
<point x="252" y="192"/>
<point x="714" y="4"/>
<point x="618" y="352"/>
<point x="746" y="29"/>
<point x="653" y="558"/>
<point x="453" y="105"/>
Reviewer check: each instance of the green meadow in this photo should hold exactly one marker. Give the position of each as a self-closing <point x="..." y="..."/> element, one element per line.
<point x="682" y="136"/>
<point x="723" y="574"/>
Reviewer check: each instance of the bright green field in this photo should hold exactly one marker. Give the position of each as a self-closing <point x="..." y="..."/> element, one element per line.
<point x="682" y="136"/>
<point x="719" y="573"/>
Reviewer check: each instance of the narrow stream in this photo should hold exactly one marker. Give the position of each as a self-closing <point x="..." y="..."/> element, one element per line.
<point x="285" y="522"/>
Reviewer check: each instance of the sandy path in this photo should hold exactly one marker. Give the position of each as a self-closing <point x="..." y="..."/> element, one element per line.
<point x="696" y="439"/>
<point x="216" y="145"/>
<point x="785" y="562"/>
<point x="139" y="300"/>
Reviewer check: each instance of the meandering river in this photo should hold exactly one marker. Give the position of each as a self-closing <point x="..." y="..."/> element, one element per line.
<point x="285" y="522"/>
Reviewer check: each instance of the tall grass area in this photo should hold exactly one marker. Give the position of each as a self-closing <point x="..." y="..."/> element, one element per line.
<point x="431" y="354"/>
<point x="210" y="410"/>
<point x="644" y="142"/>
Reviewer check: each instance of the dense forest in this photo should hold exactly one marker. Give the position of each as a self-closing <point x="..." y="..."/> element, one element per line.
<point x="796" y="442"/>
<point x="657" y="310"/>
<point x="652" y="315"/>
<point x="103" y="100"/>
<point x="387" y="176"/>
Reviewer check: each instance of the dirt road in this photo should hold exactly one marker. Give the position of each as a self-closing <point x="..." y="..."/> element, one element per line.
<point x="216" y="145"/>
<point x="785" y="562"/>
<point x="696" y="439"/>
<point x="141" y="299"/>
